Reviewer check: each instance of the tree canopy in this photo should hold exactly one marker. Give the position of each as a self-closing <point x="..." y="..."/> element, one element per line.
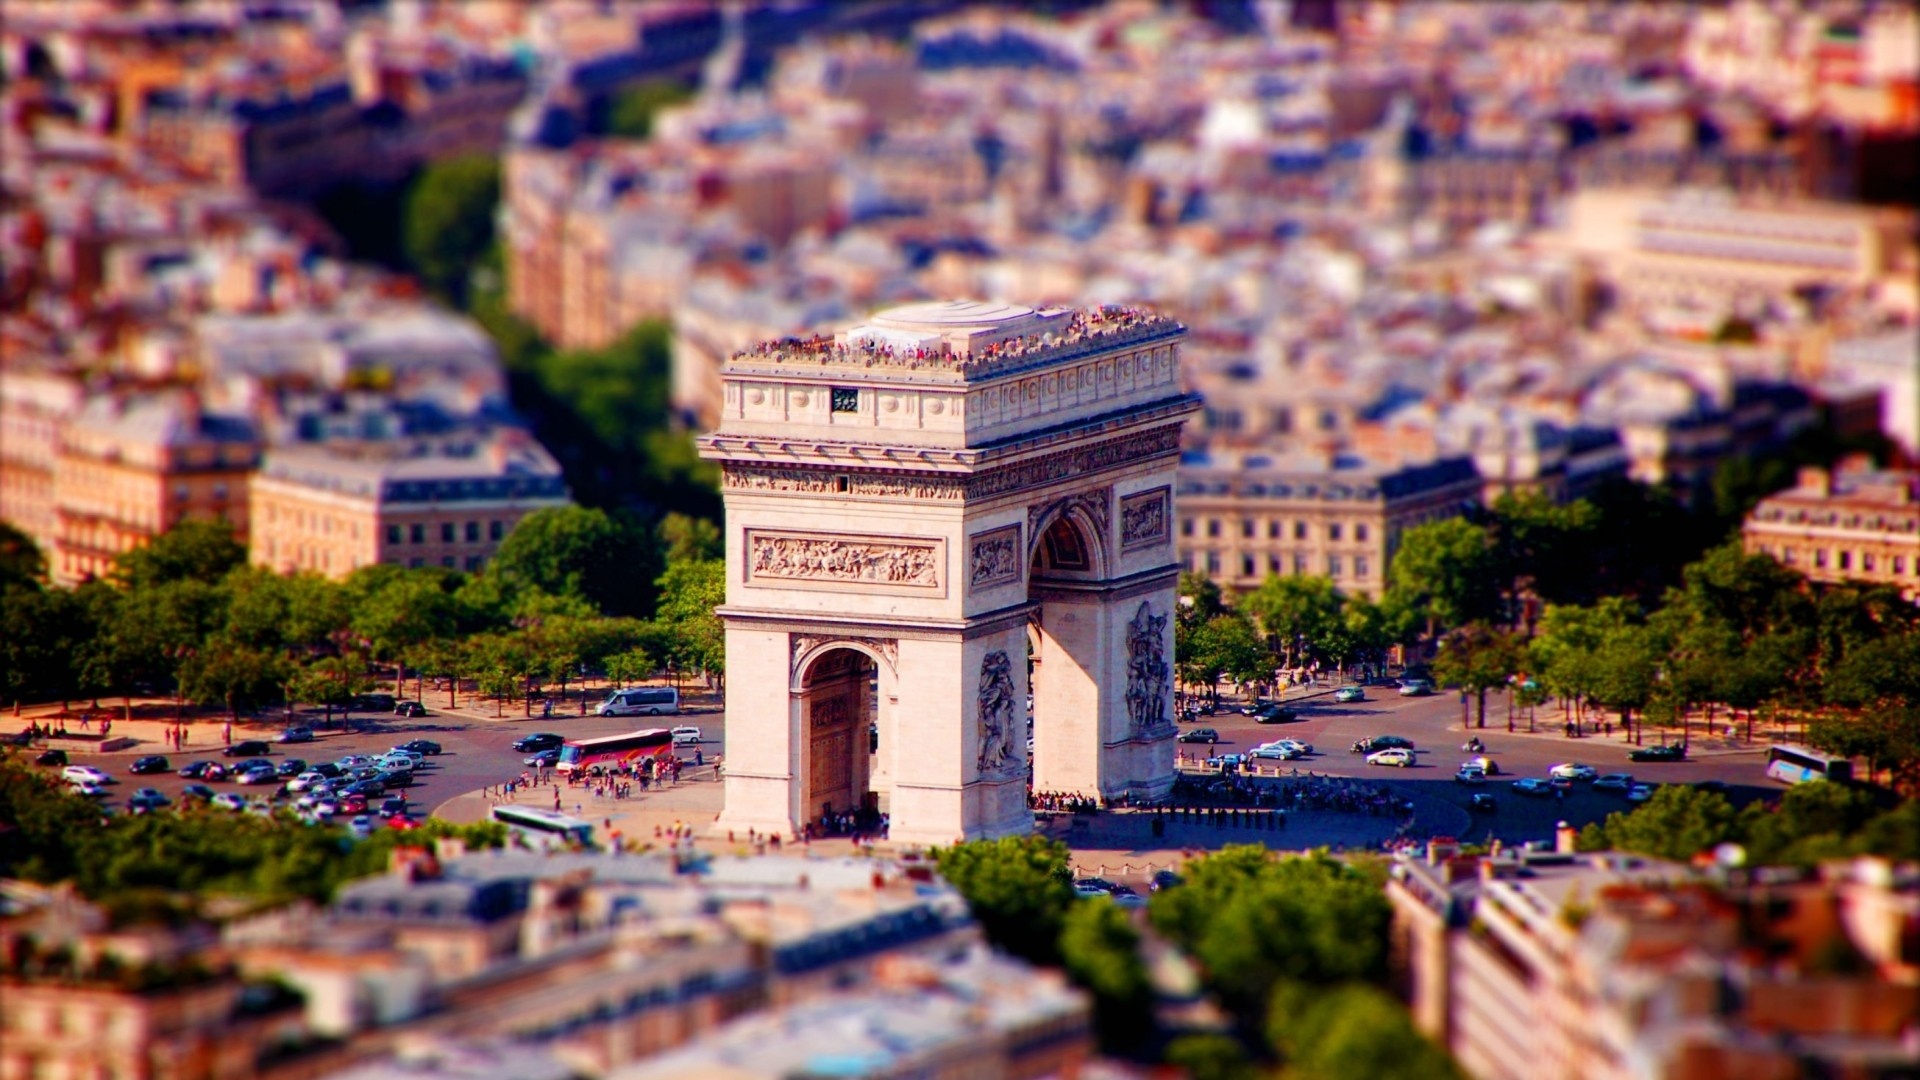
<point x="447" y="223"/>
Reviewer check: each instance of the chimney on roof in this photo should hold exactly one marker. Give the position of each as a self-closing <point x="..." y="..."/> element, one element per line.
<point x="1816" y="480"/>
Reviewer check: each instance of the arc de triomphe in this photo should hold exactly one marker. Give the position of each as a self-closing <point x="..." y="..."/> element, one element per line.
<point x="915" y="507"/>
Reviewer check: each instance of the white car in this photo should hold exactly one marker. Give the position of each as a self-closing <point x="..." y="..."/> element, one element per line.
<point x="1470" y="774"/>
<point x="84" y="774"/>
<point x="686" y="736"/>
<point x="1415" y="688"/>
<point x="230" y="800"/>
<point x="87" y="788"/>
<point x="414" y="756"/>
<point x="1568" y="770"/>
<point x="1618" y="781"/>
<point x="1640" y="793"/>
<point x="1275" y="752"/>
<point x="1402" y="758"/>
<point x="295" y="735"/>
<point x="396" y="761"/>
<point x="1296" y="744"/>
<point x="305" y="780"/>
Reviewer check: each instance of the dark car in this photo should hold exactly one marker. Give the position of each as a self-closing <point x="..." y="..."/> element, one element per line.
<point x="151" y="763"/>
<point x="394" y="778"/>
<point x="327" y="769"/>
<point x="410" y="708"/>
<point x="197" y="791"/>
<point x="1163" y="879"/>
<point x="371" y="789"/>
<point x="421" y="746"/>
<point x="247" y="748"/>
<point x="1200" y="734"/>
<point x="51" y="757"/>
<point x="1275" y="714"/>
<point x="1382" y="742"/>
<point x="290" y="768"/>
<point x="374" y="703"/>
<point x="545" y="759"/>
<point x="204" y="770"/>
<point x="147" y="799"/>
<point x="1670" y="752"/>
<point x="539" y="740"/>
<point x="1483" y="803"/>
<point x="393" y="804"/>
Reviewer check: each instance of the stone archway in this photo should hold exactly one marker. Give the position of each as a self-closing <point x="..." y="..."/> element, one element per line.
<point x="924" y="492"/>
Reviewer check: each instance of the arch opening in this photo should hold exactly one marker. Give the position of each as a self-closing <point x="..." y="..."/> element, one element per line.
<point x="845" y="783"/>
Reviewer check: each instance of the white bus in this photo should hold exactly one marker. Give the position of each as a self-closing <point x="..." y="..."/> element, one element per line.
<point x="641" y="701"/>
<point x="545" y="828"/>
<point x="1798" y="764"/>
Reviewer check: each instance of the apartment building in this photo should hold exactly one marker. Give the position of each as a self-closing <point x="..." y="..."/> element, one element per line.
<point x="431" y="501"/>
<point x="34" y="405"/>
<point x="1854" y="524"/>
<point x="1593" y="967"/>
<point x="1246" y="515"/>
<point x="129" y="467"/>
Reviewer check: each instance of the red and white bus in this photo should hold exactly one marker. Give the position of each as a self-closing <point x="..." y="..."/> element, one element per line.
<point x="613" y="751"/>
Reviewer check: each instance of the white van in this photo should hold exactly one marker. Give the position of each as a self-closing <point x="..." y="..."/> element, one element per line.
<point x="686" y="736"/>
<point x="641" y="701"/>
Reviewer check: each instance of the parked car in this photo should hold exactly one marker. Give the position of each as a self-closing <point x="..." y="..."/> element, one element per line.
<point x="147" y="799"/>
<point x="295" y="735"/>
<point x="393" y="804"/>
<point x="305" y="781"/>
<point x="1163" y="879"/>
<point x="88" y="788"/>
<point x="290" y="768"/>
<point x="1200" y="734"/>
<point x="196" y="791"/>
<point x="361" y="826"/>
<point x="1482" y="802"/>
<point x="398" y="759"/>
<point x="1470" y="774"/>
<point x="374" y="703"/>
<point x="1572" y="771"/>
<point x="84" y="774"/>
<point x="203" y="770"/>
<point x="229" y="800"/>
<point x="262" y="775"/>
<point x="1639" y="793"/>
<point x="393" y="778"/>
<point x="1415" y="687"/>
<point x="1382" y="742"/>
<point x="326" y="769"/>
<point x="372" y="789"/>
<point x="247" y="748"/>
<point x="545" y="759"/>
<point x="1401" y="758"/>
<point x="1275" y="713"/>
<point x="1347" y="695"/>
<point x="1667" y="752"/>
<point x="421" y="746"/>
<point x="410" y="709"/>
<point x="1532" y="786"/>
<point x="51" y="757"/>
<point x="152" y="763"/>
<point x="1618" y="781"/>
<point x="538" y="741"/>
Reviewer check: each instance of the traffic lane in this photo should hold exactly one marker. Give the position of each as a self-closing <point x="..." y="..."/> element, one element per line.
<point x="1520" y="818"/>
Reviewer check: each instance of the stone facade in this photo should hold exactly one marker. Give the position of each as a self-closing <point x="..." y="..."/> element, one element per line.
<point x="910" y="505"/>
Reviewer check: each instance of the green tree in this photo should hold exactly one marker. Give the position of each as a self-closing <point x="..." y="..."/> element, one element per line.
<point x="687" y="632"/>
<point x="447" y="223"/>
<point x="688" y="539"/>
<point x="579" y="552"/>
<point x="1101" y="951"/>
<point x="633" y="109"/>
<point x="239" y="676"/>
<point x="1020" y="889"/>
<point x="193" y="550"/>
<point x="1299" y="614"/>
<point x="1536" y="546"/>
<point x="399" y="615"/>
<point x="1354" y="1030"/>
<point x="1478" y="658"/>
<point x="1679" y="822"/>
<point x="21" y="562"/>
<point x="1446" y="570"/>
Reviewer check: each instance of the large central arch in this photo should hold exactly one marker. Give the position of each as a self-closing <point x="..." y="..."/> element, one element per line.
<point x="920" y="513"/>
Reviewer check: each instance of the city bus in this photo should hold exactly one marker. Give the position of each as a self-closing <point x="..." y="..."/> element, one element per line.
<point x="545" y="828"/>
<point x="1798" y="764"/>
<point x="612" y="751"/>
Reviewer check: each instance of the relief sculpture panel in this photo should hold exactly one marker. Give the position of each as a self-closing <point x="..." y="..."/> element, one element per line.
<point x="993" y="557"/>
<point x="999" y="717"/>
<point x="817" y="560"/>
<point x="1144" y="518"/>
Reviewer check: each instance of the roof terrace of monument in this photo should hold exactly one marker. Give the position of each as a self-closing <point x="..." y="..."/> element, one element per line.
<point x="956" y="342"/>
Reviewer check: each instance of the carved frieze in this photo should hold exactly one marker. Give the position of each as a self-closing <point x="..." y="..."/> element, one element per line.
<point x="824" y="560"/>
<point x="800" y="646"/>
<point x="993" y="557"/>
<point x="1145" y="518"/>
<point x="1149" y="683"/>
<point x="1079" y="461"/>
<point x="999" y="717"/>
<point x="828" y="714"/>
<point x="823" y="482"/>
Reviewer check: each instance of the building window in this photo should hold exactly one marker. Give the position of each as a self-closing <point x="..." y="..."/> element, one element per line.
<point x="1273" y="564"/>
<point x="473" y="563"/>
<point x="1213" y="562"/>
<point x="1213" y="528"/>
<point x="495" y="530"/>
<point x="446" y="561"/>
<point x="418" y="534"/>
<point x="416" y="562"/>
<point x="1186" y="526"/>
<point x="1846" y="560"/>
<point x="393" y="534"/>
<point x="1299" y="530"/>
<point x="1899" y="564"/>
<point x="1247" y="528"/>
<point x="846" y="399"/>
<point x="1360" y="567"/>
<point x="1360" y="530"/>
<point x="1186" y="561"/>
<point x="1333" y="566"/>
<point x="1867" y="561"/>
<point x="1246" y="566"/>
<point x="446" y="532"/>
<point x="1273" y="529"/>
<point x="473" y="532"/>
<point x="1820" y="558"/>
<point x="1299" y="563"/>
<point x="1333" y="530"/>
